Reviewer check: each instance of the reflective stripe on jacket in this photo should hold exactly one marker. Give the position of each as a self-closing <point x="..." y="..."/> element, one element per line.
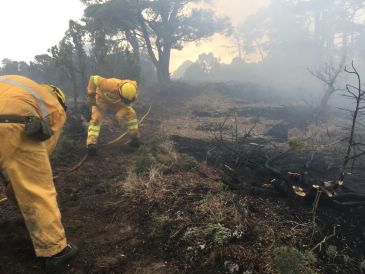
<point x="14" y="87"/>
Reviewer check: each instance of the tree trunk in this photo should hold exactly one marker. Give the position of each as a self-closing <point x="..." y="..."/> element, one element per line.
<point x="163" y="69"/>
<point x="324" y="102"/>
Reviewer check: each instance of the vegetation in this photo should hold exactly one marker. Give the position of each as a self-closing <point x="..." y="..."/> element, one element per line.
<point x="63" y="149"/>
<point x="289" y="260"/>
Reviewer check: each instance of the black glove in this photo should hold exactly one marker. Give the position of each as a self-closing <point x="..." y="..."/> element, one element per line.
<point x="91" y="100"/>
<point x="91" y="150"/>
<point x="135" y="142"/>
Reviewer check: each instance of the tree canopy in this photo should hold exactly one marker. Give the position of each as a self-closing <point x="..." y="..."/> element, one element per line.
<point x="159" y="26"/>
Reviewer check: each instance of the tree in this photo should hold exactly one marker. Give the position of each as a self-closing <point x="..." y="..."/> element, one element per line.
<point x="307" y="30"/>
<point x="71" y="59"/>
<point x="14" y="67"/>
<point x="76" y="33"/>
<point x="43" y="69"/>
<point x="328" y="75"/>
<point x="158" y="25"/>
<point x="204" y="68"/>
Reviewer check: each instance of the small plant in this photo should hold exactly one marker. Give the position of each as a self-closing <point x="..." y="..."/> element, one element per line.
<point x="362" y="265"/>
<point x="63" y="149"/>
<point x="144" y="161"/>
<point x="310" y="257"/>
<point x="187" y="162"/>
<point x="331" y="251"/>
<point x="160" y="225"/>
<point x="208" y="197"/>
<point x="193" y="233"/>
<point x="298" y="145"/>
<point x="289" y="260"/>
<point x="155" y="145"/>
<point x="294" y="143"/>
<point x="217" y="218"/>
<point x="133" y="185"/>
<point x="221" y="234"/>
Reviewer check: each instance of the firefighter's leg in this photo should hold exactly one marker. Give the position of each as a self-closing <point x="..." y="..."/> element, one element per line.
<point x="97" y="117"/>
<point x="30" y="176"/>
<point x="130" y="116"/>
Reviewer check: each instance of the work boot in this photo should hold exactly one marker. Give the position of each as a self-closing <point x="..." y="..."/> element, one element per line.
<point x="58" y="262"/>
<point x="91" y="150"/>
<point x="135" y="142"/>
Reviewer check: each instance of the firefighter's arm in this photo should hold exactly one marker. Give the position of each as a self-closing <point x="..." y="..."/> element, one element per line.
<point x="91" y="89"/>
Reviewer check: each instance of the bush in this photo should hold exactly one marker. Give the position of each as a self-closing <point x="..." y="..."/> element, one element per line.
<point x="63" y="149"/>
<point x="331" y="251"/>
<point x="187" y="162"/>
<point x="289" y="260"/>
<point x="160" y="153"/>
<point x="144" y="161"/>
<point x="221" y="234"/>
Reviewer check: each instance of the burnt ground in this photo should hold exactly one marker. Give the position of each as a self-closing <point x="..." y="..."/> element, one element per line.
<point x="182" y="216"/>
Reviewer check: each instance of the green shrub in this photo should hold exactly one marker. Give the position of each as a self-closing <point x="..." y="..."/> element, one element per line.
<point x="289" y="260"/>
<point x="331" y="251"/>
<point x="221" y="234"/>
<point x="217" y="218"/>
<point x="187" y="162"/>
<point x="160" y="152"/>
<point x="208" y="197"/>
<point x="63" y="149"/>
<point x="143" y="162"/>
<point x="155" y="145"/>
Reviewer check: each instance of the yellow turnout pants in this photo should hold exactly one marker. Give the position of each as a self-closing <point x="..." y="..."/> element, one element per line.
<point x="26" y="165"/>
<point x="121" y="112"/>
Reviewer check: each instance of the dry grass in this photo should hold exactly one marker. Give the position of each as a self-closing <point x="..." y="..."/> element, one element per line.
<point x="324" y="136"/>
<point x="145" y="180"/>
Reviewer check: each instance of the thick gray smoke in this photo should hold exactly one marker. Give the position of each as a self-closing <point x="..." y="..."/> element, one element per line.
<point x="296" y="45"/>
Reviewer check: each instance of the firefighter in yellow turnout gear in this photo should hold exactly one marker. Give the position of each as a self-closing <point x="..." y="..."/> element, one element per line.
<point x="25" y="147"/>
<point x="116" y="94"/>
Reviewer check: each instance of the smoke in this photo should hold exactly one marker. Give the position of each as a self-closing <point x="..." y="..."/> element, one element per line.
<point x="222" y="47"/>
<point x="277" y="43"/>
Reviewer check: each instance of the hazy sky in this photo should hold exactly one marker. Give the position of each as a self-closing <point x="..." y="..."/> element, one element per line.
<point x="222" y="47"/>
<point x="31" y="27"/>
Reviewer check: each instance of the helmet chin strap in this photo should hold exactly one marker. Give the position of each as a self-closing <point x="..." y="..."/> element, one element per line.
<point x="55" y="91"/>
<point x="124" y="100"/>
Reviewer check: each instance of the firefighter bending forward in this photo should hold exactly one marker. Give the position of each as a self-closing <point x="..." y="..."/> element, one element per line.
<point x="25" y="147"/>
<point x="116" y="94"/>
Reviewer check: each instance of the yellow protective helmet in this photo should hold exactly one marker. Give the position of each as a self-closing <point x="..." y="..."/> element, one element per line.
<point x="128" y="91"/>
<point x="59" y="95"/>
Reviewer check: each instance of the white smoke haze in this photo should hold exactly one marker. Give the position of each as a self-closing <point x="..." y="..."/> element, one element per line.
<point x="29" y="28"/>
<point x="274" y="43"/>
<point x="287" y="40"/>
